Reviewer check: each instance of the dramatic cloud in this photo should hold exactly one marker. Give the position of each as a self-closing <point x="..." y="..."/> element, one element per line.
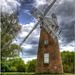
<point x="68" y="47"/>
<point x="65" y="17"/>
<point x="65" y="13"/>
<point x="9" y="6"/>
<point x="38" y="3"/>
<point x="30" y="46"/>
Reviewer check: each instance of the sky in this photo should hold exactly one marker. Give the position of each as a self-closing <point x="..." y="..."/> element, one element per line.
<point x="65" y="13"/>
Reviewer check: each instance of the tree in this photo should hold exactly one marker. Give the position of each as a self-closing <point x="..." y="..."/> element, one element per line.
<point x="67" y="57"/>
<point x="13" y="69"/>
<point x="66" y="68"/>
<point x="68" y="61"/>
<point x="21" y="68"/>
<point x="4" y="67"/>
<point x="9" y="30"/>
<point x="31" y="66"/>
<point x="19" y="64"/>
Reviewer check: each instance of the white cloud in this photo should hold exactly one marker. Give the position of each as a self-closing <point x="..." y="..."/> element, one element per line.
<point x="28" y="59"/>
<point x="14" y="41"/>
<point x="41" y="5"/>
<point x="37" y="3"/>
<point x="27" y="46"/>
<point x="27" y="12"/>
<point x="68" y="47"/>
<point x="26" y="29"/>
<point x="9" y="6"/>
<point x="24" y="32"/>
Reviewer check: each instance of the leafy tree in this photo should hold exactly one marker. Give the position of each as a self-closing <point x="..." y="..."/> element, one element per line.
<point x="9" y="30"/>
<point x="67" y="57"/>
<point x="66" y="68"/>
<point x="19" y="64"/>
<point x="31" y="66"/>
<point x="4" y="67"/>
<point x="68" y="61"/>
<point x="21" y="68"/>
<point x="13" y="69"/>
<point x="9" y="62"/>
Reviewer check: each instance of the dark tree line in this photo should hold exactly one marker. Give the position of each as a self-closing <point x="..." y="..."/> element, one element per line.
<point x="19" y="65"/>
<point x="68" y="61"/>
<point x="13" y="65"/>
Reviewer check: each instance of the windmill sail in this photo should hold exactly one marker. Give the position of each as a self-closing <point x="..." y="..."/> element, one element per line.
<point x="53" y="8"/>
<point x="48" y="8"/>
<point x="42" y="9"/>
<point x="50" y="21"/>
<point x="36" y="13"/>
<point x="29" y="33"/>
<point x="51" y="27"/>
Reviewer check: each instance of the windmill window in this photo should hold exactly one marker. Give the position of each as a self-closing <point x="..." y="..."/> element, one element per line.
<point x="46" y="42"/>
<point x="46" y="58"/>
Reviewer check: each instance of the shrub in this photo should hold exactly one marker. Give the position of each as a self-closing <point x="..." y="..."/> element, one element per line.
<point x="72" y="66"/>
<point x="13" y="69"/>
<point x="66" y="68"/>
<point x="4" y="67"/>
<point x="19" y="64"/>
<point x="31" y="65"/>
<point x="21" y="68"/>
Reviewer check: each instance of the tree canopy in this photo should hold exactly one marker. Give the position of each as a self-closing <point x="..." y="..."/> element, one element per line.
<point x="18" y="64"/>
<point x="68" y="61"/>
<point x="31" y="65"/>
<point x="10" y="28"/>
<point x="13" y="65"/>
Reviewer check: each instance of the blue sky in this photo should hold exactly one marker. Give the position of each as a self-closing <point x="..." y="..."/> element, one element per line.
<point x="65" y="17"/>
<point x="24" y="16"/>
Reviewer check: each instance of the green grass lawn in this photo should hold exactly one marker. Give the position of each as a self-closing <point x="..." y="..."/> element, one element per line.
<point x="23" y="73"/>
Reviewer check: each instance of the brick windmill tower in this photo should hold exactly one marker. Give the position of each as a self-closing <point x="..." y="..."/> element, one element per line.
<point x="48" y="57"/>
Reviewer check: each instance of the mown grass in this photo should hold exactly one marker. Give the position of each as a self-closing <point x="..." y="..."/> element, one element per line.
<point x="23" y="73"/>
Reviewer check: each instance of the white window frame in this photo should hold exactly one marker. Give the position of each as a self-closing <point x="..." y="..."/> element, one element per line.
<point x="46" y="58"/>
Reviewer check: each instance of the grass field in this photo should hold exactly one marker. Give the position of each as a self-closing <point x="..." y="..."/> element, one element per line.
<point x="23" y="73"/>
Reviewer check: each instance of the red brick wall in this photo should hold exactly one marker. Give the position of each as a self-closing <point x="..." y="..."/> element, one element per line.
<point x="53" y="49"/>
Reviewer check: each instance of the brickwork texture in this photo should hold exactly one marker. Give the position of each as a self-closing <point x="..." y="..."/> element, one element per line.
<point x="54" y="53"/>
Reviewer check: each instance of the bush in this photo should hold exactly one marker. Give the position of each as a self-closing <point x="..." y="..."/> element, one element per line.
<point x="19" y="64"/>
<point x="31" y="65"/>
<point x="4" y="67"/>
<point x="72" y="66"/>
<point x="13" y="69"/>
<point x="66" y="68"/>
<point x="21" y="68"/>
<point x="68" y="61"/>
